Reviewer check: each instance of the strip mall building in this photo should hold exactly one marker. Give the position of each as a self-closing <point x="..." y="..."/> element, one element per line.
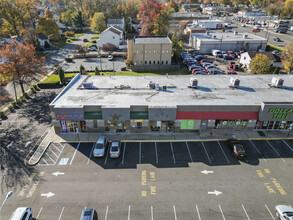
<point x="172" y="104"/>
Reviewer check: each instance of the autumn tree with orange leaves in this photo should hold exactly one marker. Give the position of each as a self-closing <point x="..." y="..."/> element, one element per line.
<point x="21" y="63"/>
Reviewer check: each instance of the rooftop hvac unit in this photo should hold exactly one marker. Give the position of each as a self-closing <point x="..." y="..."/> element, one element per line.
<point x="87" y="85"/>
<point x="234" y="83"/>
<point x="193" y="83"/>
<point x="164" y="88"/>
<point x="235" y="32"/>
<point x="245" y="36"/>
<point x="152" y="85"/>
<point x="214" y="36"/>
<point x="158" y="87"/>
<point x="277" y="82"/>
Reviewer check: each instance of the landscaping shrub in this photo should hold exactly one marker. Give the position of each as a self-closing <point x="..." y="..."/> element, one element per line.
<point x="10" y="107"/>
<point x="1" y="114"/>
<point x="69" y="33"/>
<point x="32" y="89"/>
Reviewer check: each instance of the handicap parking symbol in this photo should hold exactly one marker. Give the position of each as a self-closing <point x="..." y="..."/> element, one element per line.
<point x="63" y="161"/>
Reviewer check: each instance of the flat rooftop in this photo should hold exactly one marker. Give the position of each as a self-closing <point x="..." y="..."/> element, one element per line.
<point x="230" y="36"/>
<point x="123" y="91"/>
<point x="152" y="40"/>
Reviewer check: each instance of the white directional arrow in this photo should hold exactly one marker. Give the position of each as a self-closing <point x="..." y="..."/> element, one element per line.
<point x="9" y="145"/>
<point x="215" y="192"/>
<point x="48" y="194"/>
<point x="27" y="143"/>
<point x="58" y="173"/>
<point x="207" y="172"/>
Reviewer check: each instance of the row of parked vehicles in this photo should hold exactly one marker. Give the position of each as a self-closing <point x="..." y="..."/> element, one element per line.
<point x="200" y="64"/>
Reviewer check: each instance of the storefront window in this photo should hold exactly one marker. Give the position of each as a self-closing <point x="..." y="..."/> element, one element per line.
<point x="83" y="126"/>
<point x="264" y="125"/>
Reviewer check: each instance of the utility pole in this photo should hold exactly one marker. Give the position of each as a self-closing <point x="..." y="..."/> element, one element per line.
<point x="14" y="89"/>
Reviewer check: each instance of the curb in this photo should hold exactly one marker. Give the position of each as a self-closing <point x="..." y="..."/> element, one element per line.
<point x="41" y="154"/>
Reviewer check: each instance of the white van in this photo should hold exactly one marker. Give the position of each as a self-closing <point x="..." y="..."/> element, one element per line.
<point x="215" y="52"/>
<point x="22" y="213"/>
<point x="100" y="147"/>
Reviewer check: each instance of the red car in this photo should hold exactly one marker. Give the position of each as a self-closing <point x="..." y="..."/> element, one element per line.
<point x="206" y="61"/>
<point x="231" y="72"/>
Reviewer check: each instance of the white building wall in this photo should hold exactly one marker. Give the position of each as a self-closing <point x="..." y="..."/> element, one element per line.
<point x="245" y="59"/>
<point x="108" y="37"/>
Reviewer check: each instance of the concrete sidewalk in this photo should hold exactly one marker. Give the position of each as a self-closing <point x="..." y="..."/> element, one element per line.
<point x="195" y="136"/>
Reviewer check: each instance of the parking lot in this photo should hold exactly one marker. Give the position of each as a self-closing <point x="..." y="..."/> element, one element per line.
<point x="160" y="180"/>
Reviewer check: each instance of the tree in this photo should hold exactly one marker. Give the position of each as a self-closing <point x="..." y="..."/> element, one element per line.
<point x="98" y="22"/>
<point x="97" y="72"/>
<point x="162" y="21"/>
<point x="31" y="37"/>
<point x="129" y="63"/>
<point x="288" y="9"/>
<point x="177" y="45"/>
<point x="22" y="63"/>
<point x="172" y="4"/>
<point x="287" y="58"/>
<point x="48" y="13"/>
<point x="61" y="74"/>
<point x="81" y="50"/>
<point x="82" y="70"/>
<point x="148" y="12"/>
<point x="109" y="48"/>
<point x="77" y="20"/>
<point x="260" y="64"/>
<point x="49" y="28"/>
<point x="67" y="17"/>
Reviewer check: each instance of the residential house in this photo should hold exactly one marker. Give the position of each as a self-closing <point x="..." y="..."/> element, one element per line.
<point x="150" y="52"/>
<point x="246" y="57"/>
<point x="113" y="35"/>
<point x="134" y="24"/>
<point x="117" y="23"/>
<point x="43" y="40"/>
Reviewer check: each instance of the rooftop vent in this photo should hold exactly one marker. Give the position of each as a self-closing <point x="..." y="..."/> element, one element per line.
<point x="214" y="36"/>
<point x="234" y="83"/>
<point x="277" y="82"/>
<point x="164" y="88"/>
<point x="245" y="36"/>
<point x="158" y="87"/>
<point x="152" y="85"/>
<point x="235" y="32"/>
<point x="87" y="85"/>
<point x="193" y="82"/>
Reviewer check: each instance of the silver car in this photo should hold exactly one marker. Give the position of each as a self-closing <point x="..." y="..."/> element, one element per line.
<point x="100" y="147"/>
<point x="284" y="212"/>
<point x="115" y="149"/>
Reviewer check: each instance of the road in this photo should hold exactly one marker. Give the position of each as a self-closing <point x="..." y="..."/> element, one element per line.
<point x="161" y="180"/>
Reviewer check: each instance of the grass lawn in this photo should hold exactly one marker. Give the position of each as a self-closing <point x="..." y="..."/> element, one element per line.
<point x="89" y="44"/>
<point x="91" y="40"/>
<point x="274" y="47"/>
<point x="78" y="35"/>
<point x="55" y="78"/>
<point x="96" y="36"/>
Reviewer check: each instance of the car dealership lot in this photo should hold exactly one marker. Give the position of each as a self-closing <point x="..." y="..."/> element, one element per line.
<point x="160" y="180"/>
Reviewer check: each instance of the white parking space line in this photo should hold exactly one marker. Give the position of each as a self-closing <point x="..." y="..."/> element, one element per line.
<point x="189" y="152"/>
<point x="107" y="155"/>
<point x="198" y="212"/>
<point x="53" y="152"/>
<point x="106" y="213"/>
<point x="90" y="154"/>
<point x="258" y="151"/>
<point x="223" y="151"/>
<point x="39" y="213"/>
<point x="157" y="159"/>
<point x="74" y="154"/>
<point x="172" y="153"/>
<point x="206" y="151"/>
<point x="50" y="158"/>
<point x="62" y="145"/>
<point x="269" y="211"/>
<point x="275" y="150"/>
<point x="288" y="145"/>
<point x="124" y="149"/>
<point x="129" y="212"/>
<point x="245" y="212"/>
<point x="139" y="158"/>
<point x="152" y="213"/>
<point x="174" y="209"/>
<point x="61" y="213"/>
<point x="44" y="161"/>
<point x="222" y="212"/>
<point x="55" y="147"/>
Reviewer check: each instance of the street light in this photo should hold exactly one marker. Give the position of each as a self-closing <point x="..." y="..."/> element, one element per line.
<point x="7" y="197"/>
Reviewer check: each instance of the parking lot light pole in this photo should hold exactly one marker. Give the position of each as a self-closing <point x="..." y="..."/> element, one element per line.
<point x="7" y="197"/>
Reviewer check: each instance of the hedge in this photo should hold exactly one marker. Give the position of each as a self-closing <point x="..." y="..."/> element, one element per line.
<point x="1" y="114"/>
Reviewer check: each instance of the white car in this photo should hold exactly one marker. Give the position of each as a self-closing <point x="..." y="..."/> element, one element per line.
<point x="284" y="212"/>
<point x="100" y="147"/>
<point x="22" y="213"/>
<point x="110" y="57"/>
<point x="115" y="149"/>
<point x="243" y="25"/>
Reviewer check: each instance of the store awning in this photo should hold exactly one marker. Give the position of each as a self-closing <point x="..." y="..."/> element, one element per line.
<point x="93" y="115"/>
<point x="139" y="115"/>
<point x="218" y="115"/>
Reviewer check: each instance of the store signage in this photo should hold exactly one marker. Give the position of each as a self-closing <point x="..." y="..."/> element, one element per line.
<point x="281" y="113"/>
<point x="69" y="116"/>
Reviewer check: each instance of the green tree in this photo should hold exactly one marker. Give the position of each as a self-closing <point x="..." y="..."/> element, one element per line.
<point x="260" y="64"/>
<point x="288" y="10"/>
<point x="49" y="28"/>
<point x="287" y="58"/>
<point x="162" y="21"/>
<point x="77" y="20"/>
<point x="82" y="70"/>
<point x="67" y="16"/>
<point x="98" y="22"/>
<point x="61" y="74"/>
<point x="177" y="45"/>
<point x="48" y="13"/>
<point x="97" y="72"/>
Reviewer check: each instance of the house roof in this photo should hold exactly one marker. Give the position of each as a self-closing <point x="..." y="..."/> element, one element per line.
<point x="270" y="55"/>
<point x="118" y="28"/>
<point x="115" y="21"/>
<point x="113" y="29"/>
<point x="152" y="40"/>
<point x="42" y="36"/>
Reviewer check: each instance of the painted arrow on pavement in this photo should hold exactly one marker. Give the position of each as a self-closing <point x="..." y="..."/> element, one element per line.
<point x="215" y="192"/>
<point x="207" y="172"/>
<point x="27" y="143"/>
<point x="48" y="194"/>
<point x="9" y="145"/>
<point x="58" y="173"/>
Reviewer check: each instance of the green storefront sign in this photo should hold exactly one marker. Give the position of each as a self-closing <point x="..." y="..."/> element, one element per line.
<point x="281" y="113"/>
<point x="187" y="124"/>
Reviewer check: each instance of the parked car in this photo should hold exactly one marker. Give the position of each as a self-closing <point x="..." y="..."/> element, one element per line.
<point x="230" y="53"/>
<point x="100" y="147"/>
<point x="215" y="71"/>
<point x="190" y="68"/>
<point x="200" y="57"/>
<point x="115" y="149"/>
<point x="206" y="61"/>
<point x="89" y="214"/>
<point x="206" y="64"/>
<point x="198" y="73"/>
<point x="231" y="72"/>
<point x="243" y="25"/>
<point x="204" y="72"/>
<point x="277" y="39"/>
<point x="22" y="213"/>
<point x="227" y="57"/>
<point x="212" y="67"/>
<point x="284" y="212"/>
<point x="85" y="40"/>
<point x="185" y="54"/>
<point x="236" y="148"/>
<point x="94" y="41"/>
<point x="110" y="58"/>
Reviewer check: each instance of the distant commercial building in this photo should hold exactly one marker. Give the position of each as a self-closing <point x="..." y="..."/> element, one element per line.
<point x="204" y="43"/>
<point x="150" y="52"/>
<point x="209" y="24"/>
<point x="153" y="104"/>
